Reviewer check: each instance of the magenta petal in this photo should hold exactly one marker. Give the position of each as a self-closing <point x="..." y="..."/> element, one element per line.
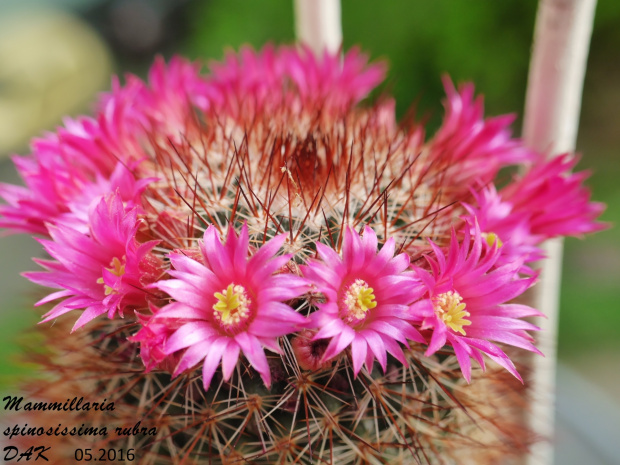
<point x="267" y="328"/>
<point x="514" y="311"/>
<point x="317" y="272"/>
<point x="387" y="329"/>
<point x="410" y="332"/>
<point x="283" y="287"/>
<point x="181" y="291"/>
<point x="192" y="356"/>
<point x="266" y="252"/>
<point x="328" y="255"/>
<point x="212" y="360"/>
<point x="499" y="323"/>
<point x="398" y="264"/>
<point x="88" y="315"/>
<point x="353" y="252"/>
<point x="54" y="296"/>
<point x="438" y="340"/>
<point x="395" y="350"/>
<point x="384" y="256"/>
<point x="215" y="253"/>
<point x="421" y="309"/>
<point x="188" y="335"/>
<point x="504" y="337"/>
<point x="370" y="360"/>
<point x="59" y="309"/>
<point x="359" y="347"/>
<point x="271" y="344"/>
<point x="485" y="346"/>
<point x="339" y="343"/>
<point x="229" y="359"/>
<point x="185" y="264"/>
<point x="375" y="344"/>
<point x="508" y="365"/>
<point x="462" y="352"/>
<point x="277" y="311"/>
<point x="331" y="329"/>
<point x="241" y="250"/>
<point x="255" y="354"/>
<point x="181" y="310"/>
<point x="260" y="272"/>
<point x="369" y="243"/>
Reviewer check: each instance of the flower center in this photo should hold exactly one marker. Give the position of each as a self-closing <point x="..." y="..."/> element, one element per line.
<point x="232" y="307"/>
<point x="358" y="299"/>
<point x="451" y="310"/>
<point x="117" y="268"/>
<point x="492" y="238"/>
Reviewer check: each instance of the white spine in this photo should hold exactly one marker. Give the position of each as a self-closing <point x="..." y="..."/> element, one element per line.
<point x="553" y="102"/>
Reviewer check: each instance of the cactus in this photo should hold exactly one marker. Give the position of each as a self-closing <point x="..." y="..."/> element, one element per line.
<point x="165" y="216"/>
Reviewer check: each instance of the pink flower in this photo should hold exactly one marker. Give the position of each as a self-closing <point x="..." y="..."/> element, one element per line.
<point x="152" y="336"/>
<point x="555" y="200"/>
<point x="65" y="175"/>
<point x="105" y="271"/>
<point x="291" y="76"/>
<point x="510" y="230"/>
<point x="162" y="106"/>
<point x="468" y="147"/>
<point x="368" y="295"/>
<point x="121" y="181"/>
<point x="468" y="298"/>
<point x="230" y="304"/>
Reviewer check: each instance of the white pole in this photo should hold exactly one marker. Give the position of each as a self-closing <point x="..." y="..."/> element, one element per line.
<point x="318" y="24"/>
<point x="553" y="102"/>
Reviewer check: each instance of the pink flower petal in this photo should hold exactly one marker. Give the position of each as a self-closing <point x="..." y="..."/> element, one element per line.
<point x="212" y="360"/>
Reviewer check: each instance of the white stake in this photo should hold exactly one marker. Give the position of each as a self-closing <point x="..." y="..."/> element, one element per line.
<point x="317" y="24"/>
<point x="553" y="102"/>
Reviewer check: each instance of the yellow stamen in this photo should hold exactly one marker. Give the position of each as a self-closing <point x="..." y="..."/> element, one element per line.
<point x="452" y="311"/>
<point x="232" y="306"/>
<point x="358" y="300"/>
<point x="491" y="238"/>
<point x="117" y="268"/>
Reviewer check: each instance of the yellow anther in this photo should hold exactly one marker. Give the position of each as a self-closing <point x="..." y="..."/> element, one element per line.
<point x="451" y="309"/>
<point x="358" y="299"/>
<point x="117" y="268"/>
<point x="492" y="238"/>
<point x="232" y="305"/>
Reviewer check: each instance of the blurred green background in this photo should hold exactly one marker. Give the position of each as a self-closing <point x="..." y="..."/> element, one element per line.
<point x="484" y="41"/>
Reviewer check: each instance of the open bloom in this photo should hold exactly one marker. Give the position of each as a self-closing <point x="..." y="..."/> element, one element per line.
<point x="66" y="175"/>
<point x="555" y="200"/>
<point x="468" y="298"/>
<point x="105" y="271"/>
<point x="510" y="230"/>
<point x="367" y="297"/>
<point x="259" y="81"/>
<point x="230" y="304"/>
<point x="470" y="147"/>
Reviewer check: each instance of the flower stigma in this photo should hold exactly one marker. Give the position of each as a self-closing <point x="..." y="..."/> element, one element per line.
<point x="450" y="308"/>
<point x="358" y="299"/>
<point x="117" y="268"/>
<point x="232" y="307"/>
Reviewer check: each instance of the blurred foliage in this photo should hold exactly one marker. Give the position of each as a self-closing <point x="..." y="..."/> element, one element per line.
<point x="486" y="42"/>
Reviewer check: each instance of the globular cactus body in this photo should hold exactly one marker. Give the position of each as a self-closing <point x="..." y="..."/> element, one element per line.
<point x="269" y="272"/>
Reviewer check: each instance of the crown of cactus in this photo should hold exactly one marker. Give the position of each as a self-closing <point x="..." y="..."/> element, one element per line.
<point x="270" y="272"/>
